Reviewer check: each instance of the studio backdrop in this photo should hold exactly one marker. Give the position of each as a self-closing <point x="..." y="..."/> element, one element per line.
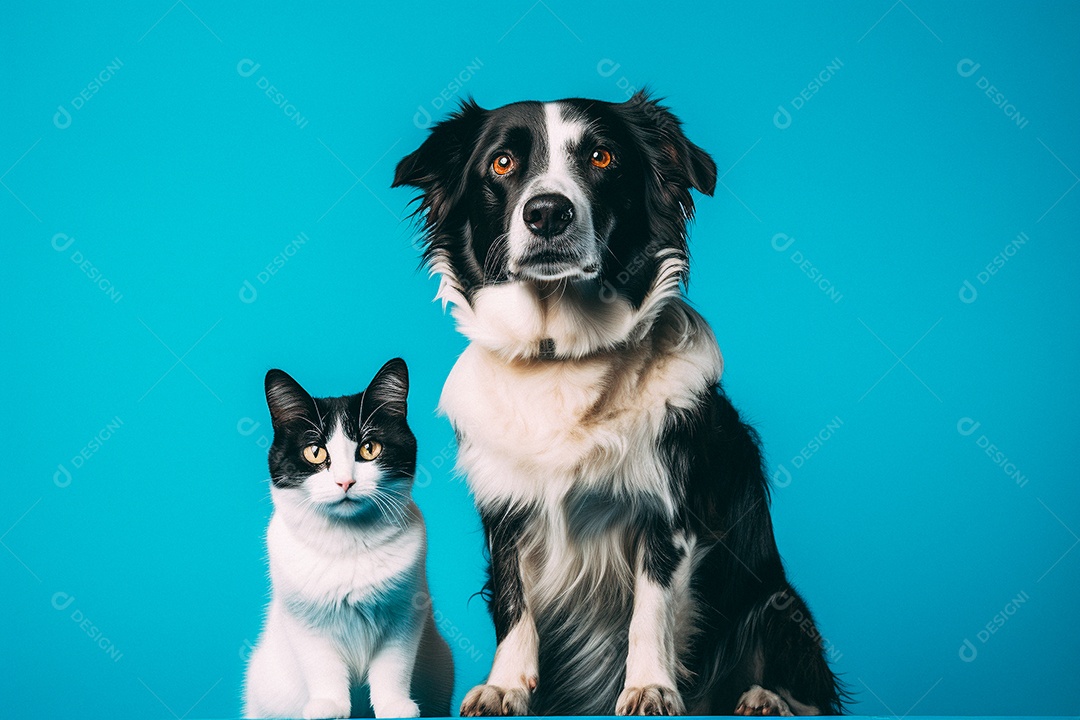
<point x="194" y="193"/>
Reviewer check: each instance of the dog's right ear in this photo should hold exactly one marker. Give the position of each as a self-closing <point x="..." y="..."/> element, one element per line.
<point x="437" y="167"/>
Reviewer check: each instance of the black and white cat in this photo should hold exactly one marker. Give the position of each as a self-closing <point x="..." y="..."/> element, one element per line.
<point x="350" y="608"/>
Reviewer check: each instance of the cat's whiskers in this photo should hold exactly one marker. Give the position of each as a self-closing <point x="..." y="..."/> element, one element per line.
<point x="386" y="508"/>
<point x="391" y="505"/>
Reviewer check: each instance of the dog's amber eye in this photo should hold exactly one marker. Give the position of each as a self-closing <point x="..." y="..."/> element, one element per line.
<point x="503" y="164"/>
<point x="601" y="157"/>
<point x="315" y="454"/>
<point x="370" y="449"/>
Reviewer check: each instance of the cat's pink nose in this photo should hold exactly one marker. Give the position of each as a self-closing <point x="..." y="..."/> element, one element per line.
<point x="346" y="484"/>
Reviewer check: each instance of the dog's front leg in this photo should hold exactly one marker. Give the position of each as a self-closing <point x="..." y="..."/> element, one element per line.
<point x="513" y="675"/>
<point x="515" y="671"/>
<point x="661" y="582"/>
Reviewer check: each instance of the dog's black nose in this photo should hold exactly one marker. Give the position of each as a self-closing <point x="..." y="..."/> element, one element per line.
<point x="549" y="214"/>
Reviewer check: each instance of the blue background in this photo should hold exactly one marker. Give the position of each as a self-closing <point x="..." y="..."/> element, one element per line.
<point x="180" y="181"/>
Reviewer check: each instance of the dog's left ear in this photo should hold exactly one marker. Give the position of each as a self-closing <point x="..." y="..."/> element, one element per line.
<point x="438" y="166"/>
<point x="691" y="166"/>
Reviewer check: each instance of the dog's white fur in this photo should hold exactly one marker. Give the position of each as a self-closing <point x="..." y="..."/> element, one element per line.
<point x="532" y="430"/>
<point x="334" y="587"/>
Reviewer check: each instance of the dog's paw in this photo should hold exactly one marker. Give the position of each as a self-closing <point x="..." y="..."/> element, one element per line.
<point x="319" y="708"/>
<point x="403" y="708"/>
<point x="650" y="700"/>
<point x="489" y="700"/>
<point x="759" y="701"/>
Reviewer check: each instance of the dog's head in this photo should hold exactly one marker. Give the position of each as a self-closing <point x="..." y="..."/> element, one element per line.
<point x="556" y="207"/>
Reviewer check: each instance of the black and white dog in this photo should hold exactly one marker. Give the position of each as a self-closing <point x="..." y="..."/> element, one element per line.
<point x="632" y="562"/>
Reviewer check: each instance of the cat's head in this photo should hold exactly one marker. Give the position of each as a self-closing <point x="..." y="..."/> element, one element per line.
<point x="349" y="458"/>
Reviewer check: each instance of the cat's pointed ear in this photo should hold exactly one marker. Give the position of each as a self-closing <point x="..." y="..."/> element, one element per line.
<point x="389" y="389"/>
<point x="286" y="399"/>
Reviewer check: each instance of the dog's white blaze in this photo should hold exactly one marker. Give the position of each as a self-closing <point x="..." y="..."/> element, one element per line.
<point x="562" y="134"/>
<point x="558" y="177"/>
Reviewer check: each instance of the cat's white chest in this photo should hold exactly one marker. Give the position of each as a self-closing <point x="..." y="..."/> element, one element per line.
<point x="342" y="571"/>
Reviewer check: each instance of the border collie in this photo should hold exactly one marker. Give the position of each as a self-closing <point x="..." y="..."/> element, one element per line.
<point x="632" y="568"/>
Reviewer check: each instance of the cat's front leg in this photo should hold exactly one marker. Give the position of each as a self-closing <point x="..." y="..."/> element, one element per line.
<point x="325" y="672"/>
<point x="390" y="677"/>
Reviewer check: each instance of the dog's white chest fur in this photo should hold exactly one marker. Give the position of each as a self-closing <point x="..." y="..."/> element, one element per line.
<point x="530" y="430"/>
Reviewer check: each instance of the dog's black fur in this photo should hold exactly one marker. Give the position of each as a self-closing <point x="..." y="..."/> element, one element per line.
<point x="753" y="628"/>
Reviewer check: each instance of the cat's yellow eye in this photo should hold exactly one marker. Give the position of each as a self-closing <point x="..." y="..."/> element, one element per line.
<point x="315" y="454"/>
<point x="370" y="449"/>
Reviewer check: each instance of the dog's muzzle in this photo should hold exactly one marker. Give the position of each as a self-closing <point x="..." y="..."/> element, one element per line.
<point x="548" y="215"/>
<point x="557" y="243"/>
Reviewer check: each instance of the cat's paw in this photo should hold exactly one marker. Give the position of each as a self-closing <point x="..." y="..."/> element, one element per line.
<point x="488" y="700"/>
<point x="650" y="700"/>
<point x="759" y="701"/>
<point x="404" y="708"/>
<point x="319" y="708"/>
